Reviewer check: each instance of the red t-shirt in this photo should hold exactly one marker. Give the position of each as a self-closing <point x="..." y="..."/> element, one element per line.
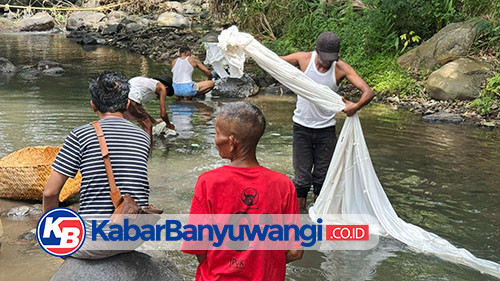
<point x="253" y="190"/>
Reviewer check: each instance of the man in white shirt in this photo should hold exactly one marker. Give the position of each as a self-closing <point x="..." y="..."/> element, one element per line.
<point x="314" y="137"/>
<point x="182" y="70"/>
<point x="143" y="90"/>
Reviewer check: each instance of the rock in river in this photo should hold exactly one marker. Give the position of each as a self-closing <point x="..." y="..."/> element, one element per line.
<point x="235" y="87"/>
<point x="39" y="22"/>
<point x="128" y="266"/>
<point x="6" y="66"/>
<point x="443" y="117"/>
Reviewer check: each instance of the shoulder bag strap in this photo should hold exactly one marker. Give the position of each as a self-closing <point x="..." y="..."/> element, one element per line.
<point x="115" y="192"/>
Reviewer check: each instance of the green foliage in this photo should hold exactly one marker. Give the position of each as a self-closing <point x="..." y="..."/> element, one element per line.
<point x="407" y="39"/>
<point x="490" y="97"/>
<point x="371" y="34"/>
<point x="489" y="37"/>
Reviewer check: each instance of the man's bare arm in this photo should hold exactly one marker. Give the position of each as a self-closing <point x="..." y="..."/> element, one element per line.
<point x="52" y="189"/>
<point x="161" y="91"/>
<point x="299" y="59"/>
<point x="201" y="67"/>
<point x="293" y="255"/>
<point x="367" y="92"/>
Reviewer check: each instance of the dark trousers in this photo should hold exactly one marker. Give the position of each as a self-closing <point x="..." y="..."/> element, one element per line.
<point x="312" y="153"/>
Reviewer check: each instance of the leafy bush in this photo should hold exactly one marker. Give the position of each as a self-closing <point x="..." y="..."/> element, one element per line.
<point x="490" y="97"/>
<point x="371" y="34"/>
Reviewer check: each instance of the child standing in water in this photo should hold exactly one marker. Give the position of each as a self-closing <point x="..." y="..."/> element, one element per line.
<point x="242" y="187"/>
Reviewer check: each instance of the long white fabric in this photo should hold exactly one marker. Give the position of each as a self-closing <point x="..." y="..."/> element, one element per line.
<point x="351" y="185"/>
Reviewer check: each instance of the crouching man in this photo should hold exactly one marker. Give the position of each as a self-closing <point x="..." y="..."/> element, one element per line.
<point x="238" y="129"/>
<point x="128" y="148"/>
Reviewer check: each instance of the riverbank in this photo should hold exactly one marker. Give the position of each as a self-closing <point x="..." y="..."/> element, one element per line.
<point x="158" y="36"/>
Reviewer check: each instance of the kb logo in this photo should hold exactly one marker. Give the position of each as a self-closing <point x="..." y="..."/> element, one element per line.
<point x="60" y="232"/>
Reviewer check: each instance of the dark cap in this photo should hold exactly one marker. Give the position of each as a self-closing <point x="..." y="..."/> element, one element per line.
<point x="328" y="46"/>
<point x="167" y="82"/>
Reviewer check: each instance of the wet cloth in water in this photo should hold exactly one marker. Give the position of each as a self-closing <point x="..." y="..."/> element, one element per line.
<point x="351" y="185"/>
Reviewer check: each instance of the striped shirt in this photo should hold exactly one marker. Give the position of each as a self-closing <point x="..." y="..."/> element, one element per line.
<point x="128" y="151"/>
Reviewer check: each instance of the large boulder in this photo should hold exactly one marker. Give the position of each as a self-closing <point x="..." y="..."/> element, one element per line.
<point x="174" y="20"/>
<point x="174" y="6"/>
<point x="129" y="266"/>
<point x="85" y="19"/>
<point x="460" y="79"/>
<point x="235" y="87"/>
<point x="450" y="43"/>
<point x="6" y="25"/>
<point x="38" y="22"/>
<point x="6" y="66"/>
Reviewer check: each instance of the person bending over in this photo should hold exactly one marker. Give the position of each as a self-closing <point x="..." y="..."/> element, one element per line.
<point x="143" y="90"/>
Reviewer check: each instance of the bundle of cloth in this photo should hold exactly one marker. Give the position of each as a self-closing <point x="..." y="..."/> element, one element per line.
<point x="351" y="185"/>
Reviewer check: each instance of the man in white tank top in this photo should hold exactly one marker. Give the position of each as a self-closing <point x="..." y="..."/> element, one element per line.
<point x="314" y="137"/>
<point x="182" y="70"/>
<point x="144" y="90"/>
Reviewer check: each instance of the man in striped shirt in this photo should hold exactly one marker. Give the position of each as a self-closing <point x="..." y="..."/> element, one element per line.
<point x="128" y="150"/>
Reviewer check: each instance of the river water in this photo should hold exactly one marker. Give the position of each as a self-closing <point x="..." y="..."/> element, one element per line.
<point x="444" y="178"/>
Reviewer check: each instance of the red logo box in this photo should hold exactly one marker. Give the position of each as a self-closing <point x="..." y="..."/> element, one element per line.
<point x="347" y="232"/>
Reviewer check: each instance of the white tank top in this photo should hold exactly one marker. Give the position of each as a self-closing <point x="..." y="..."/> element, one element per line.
<point x="309" y="114"/>
<point x="182" y="71"/>
<point x="142" y="89"/>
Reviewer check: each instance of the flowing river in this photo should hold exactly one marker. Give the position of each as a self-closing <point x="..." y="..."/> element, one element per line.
<point x="444" y="178"/>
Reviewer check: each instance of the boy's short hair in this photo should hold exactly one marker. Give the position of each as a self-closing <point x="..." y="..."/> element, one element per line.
<point x="246" y="121"/>
<point x="109" y="92"/>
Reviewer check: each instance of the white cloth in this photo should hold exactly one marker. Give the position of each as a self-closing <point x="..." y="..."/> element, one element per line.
<point x="142" y="89"/>
<point x="162" y="128"/>
<point x="351" y="185"/>
<point x="182" y="71"/>
<point x="307" y="113"/>
<point x="216" y="59"/>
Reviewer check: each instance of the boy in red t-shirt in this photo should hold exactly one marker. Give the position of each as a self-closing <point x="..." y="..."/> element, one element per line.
<point x="242" y="187"/>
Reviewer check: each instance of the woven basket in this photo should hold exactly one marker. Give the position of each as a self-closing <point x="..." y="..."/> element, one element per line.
<point x="24" y="173"/>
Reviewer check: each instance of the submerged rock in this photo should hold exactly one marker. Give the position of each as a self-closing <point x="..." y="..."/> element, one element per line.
<point x="235" y="87"/>
<point x="23" y="212"/>
<point x="55" y="71"/>
<point x="39" y="22"/>
<point x="443" y="117"/>
<point x="128" y="266"/>
<point x="29" y="235"/>
<point x="279" y="90"/>
<point x="6" y="66"/>
<point x="46" y="64"/>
